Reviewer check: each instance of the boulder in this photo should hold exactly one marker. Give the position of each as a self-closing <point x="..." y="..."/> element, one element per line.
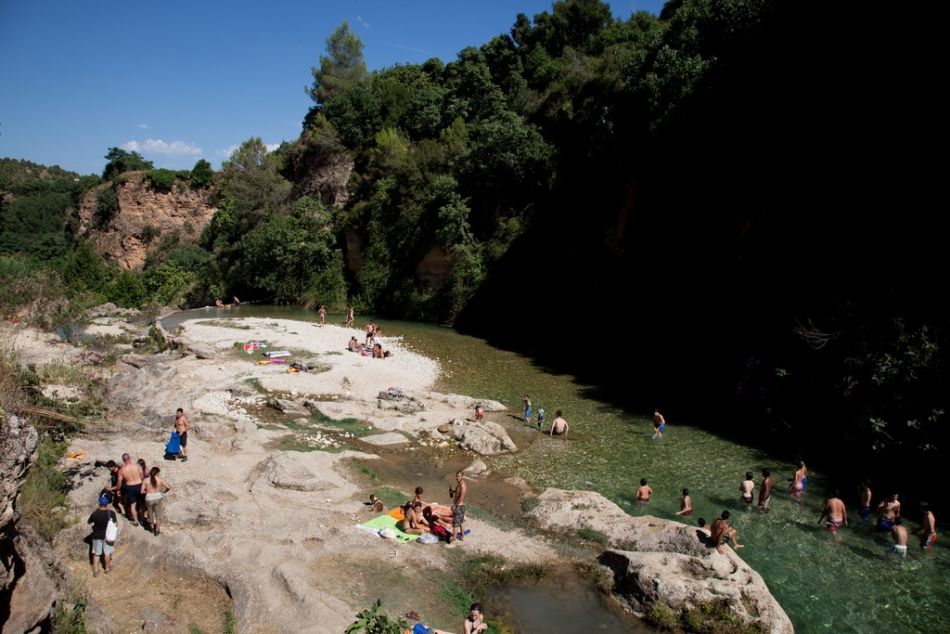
<point x="475" y="470"/>
<point x="483" y="437"/>
<point x="661" y="563"/>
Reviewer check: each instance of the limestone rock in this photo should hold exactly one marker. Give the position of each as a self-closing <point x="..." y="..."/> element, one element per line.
<point x="389" y="438"/>
<point x="475" y="470"/>
<point x="658" y="562"/>
<point x="288" y="471"/>
<point x="484" y="437"/>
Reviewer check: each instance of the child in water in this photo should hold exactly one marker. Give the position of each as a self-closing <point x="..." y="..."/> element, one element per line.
<point x="540" y="417"/>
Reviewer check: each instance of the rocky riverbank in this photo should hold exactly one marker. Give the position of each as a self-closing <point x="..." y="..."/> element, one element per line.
<point x="264" y="524"/>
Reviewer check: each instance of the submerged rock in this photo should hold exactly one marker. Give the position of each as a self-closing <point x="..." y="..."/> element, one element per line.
<point x="484" y="437"/>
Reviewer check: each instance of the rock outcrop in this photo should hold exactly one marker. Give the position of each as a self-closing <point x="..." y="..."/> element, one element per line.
<point x="31" y="579"/>
<point x="125" y="238"/>
<point x="482" y="436"/>
<point x="662" y="564"/>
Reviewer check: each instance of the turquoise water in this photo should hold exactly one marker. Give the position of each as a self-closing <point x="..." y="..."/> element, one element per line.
<point x="825" y="585"/>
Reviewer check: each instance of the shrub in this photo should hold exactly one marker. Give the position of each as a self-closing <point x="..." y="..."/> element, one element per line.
<point x="662" y="617"/>
<point x="107" y="206"/>
<point x="149" y="233"/>
<point x="375" y="621"/>
<point x="593" y="535"/>
<point x="161" y="179"/>
<point x="127" y="290"/>
<point x="201" y="174"/>
<point x="43" y="496"/>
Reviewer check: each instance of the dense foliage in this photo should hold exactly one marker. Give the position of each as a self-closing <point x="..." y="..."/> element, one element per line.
<point x="737" y="171"/>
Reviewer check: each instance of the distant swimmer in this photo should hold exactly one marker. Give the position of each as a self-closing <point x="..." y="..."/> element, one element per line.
<point x="835" y="511"/>
<point x="218" y="303"/>
<point x="559" y="427"/>
<point x="659" y="424"/>
<point x="686" y="504"/>
<point x="644" y="491"/>
<point x="746" y="487"/>
<point x="765" y="490"/>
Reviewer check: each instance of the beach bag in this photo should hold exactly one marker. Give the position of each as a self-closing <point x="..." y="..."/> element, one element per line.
<point x="112" y="529"/>
<point x="173" y="448"/>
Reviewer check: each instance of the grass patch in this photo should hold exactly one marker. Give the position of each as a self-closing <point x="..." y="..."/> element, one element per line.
<point x="354" y="426"/>
<point x="255" y="384"/>
<point x="228" y="622"/>
<point x="529" y="504"/>
<point x="223" y="323"/>
<point x="43" y="496"/>
<point x="367" y="471"/>
<point x="391" y="497"/>
<point x="662" y="618"/>
<point x="593" y="535"/>
<point x="62" y="373"/>
<point x="716" y="618"/>
<point x="69" y="617"/>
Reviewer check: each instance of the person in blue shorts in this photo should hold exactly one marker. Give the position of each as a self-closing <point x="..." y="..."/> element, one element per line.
<point x="865" y="494"/>
<point x="527" y="408"/>
<point x="659" y="424"/>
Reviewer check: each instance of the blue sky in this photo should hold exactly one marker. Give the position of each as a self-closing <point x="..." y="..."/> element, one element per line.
<point x="178" y="81"/>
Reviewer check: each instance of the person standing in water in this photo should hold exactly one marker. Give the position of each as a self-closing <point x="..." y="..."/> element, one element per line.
<point x="864" y="492"/>
<point x="835" y="511"/>
<point x="323" y="315"/>
<point x="349" y="316"/>
<point x="644" y="491"/>
<point x="928" y="527"/>
<point x="559" y="427"/>
<point x="527" y="408"/>
<point x="686" y="504"/>
<point x="659" y="424"/>
<point x="899" y="535"/>
<point x="765" y="490"/>
<point x="797" y="486"/>
<point x="540" y="418"/>
<point x="888" y="510"/>
<point x="746" y="487"/>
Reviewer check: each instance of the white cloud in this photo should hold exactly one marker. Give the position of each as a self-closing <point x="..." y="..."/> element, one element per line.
<point x="359" y="19"/>
<point x="226" y="153"/>
<point x="157" y="146"/>
<point x="271" y="146"/>
<point x="144" y="126"/>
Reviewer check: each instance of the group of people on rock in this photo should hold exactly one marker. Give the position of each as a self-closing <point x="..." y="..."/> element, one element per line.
<point x="447" y="524"/>
<point x="135" y="491"/>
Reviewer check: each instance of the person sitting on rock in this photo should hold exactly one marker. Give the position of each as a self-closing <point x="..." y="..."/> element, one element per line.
<point x="720" y="531"/>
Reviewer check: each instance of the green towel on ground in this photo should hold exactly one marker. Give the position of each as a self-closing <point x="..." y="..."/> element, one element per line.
<point x="386" y="521"/>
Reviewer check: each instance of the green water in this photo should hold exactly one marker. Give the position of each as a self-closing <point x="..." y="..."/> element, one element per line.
<point x="849" y="585"/>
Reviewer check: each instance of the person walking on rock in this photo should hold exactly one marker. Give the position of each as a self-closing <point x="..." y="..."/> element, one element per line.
<point x="100" y="548"/>
<point x="130" y="483"/>
<point x="182" y="426"/>
<point x="155" y="489"/>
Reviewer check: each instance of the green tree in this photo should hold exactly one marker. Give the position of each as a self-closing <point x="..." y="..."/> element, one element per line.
<point x="201" y="174"/>
<point x="120" y="161"/>
<point x="107" y="206"/>
<point x="341" y="68"/>
<point x="252" y="182"/>
<point x="127" y="290"/>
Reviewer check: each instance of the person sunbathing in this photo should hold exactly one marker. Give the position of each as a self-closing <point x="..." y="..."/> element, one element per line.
<point x="437" y="527"/>
<point x="414" y="523"/>
<point x="378" y="351"/>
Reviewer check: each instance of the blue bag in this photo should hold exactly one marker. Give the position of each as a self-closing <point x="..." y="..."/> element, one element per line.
<point x="173" y="448"/>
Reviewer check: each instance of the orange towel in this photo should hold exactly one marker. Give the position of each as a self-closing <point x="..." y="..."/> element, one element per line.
<point x="397" y="514"/>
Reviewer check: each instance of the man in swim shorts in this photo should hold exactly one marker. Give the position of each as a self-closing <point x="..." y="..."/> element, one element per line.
<point x="835" y="511"/>
<point x="659" y="424"/>
<point x="720" y="531"/>
<point x="888" y="510"/>
<point x="559" y="427"/>
<point x="899" y="535"/>
<point x="458" y="506"/>
<point x="928" y="527"/>
<point x="182" y="426"/>
<point x="130" y="483"/>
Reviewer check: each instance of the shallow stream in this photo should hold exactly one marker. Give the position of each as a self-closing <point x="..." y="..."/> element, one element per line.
<point x="846" y="585"/>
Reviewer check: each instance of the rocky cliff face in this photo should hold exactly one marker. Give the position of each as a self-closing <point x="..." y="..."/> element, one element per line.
<point x="31" y="580"/>
<point x="125" y="238"/>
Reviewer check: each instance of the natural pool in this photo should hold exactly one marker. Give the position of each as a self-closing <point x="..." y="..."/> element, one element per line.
<point x="845" y="586"/>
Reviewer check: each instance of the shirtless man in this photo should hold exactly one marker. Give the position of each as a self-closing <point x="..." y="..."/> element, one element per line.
<point x="888" y="510"/>
<point x="458" y="506"/>
<point x="899" y="535"/>
<point x="130" y="483"/>
<point x="765" y="490"/>
<point x="746" y="487"/>
<point x="370" y="334"/>
<point x="835" y="511"/>
<point x="928" y="527"/>
<point x="720" y="531"/>
<point x="797" y="486"/>
<point x="559" y="427"/>
<point x="864" y="493"/>
<point x="686" y="504"/>
<point x="659" y="424"/>
<point x="644" y="492"/>
<point x="323" y="315"/>
<point x="182" y="426"/>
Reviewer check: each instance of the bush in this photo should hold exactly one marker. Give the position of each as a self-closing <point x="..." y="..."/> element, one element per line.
<point x="161" y="179"/>
<point x="375" y="621"/>
<point x="107" y="206"/>
<point x="592" y="535"/>
<point x="662" y="618"/>
<point x="201" y="174"/>
<point x="43" y="496"/>
<point x="149" y="233"/>
<point x="127" y="290"/>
